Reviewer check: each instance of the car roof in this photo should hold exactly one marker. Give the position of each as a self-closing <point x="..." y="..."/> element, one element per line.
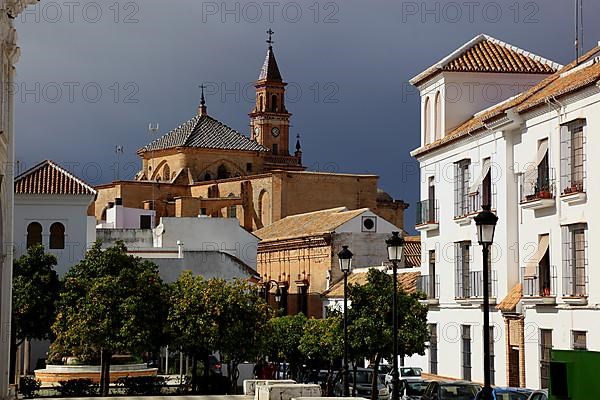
<point x="458" y="383"/>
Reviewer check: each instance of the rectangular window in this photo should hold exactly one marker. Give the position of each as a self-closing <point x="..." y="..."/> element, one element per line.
<point x="432" y="209"/>
<point x="579" y="339"/>
<point x="433" y="350"/>
<point x="249" y="167"/>
<point x="572" y="156"/>
<point x="461" y="188"/>
<point x="575" y="277"/>
<point x="545" y="347"/>
<point x="463" y="270"/>
<point x="486" y="184"/>
<point x="431" y="289"/>
<point x="145" y="222"/>
<point x="275" y="149"/>
<point x="466" y="351"/>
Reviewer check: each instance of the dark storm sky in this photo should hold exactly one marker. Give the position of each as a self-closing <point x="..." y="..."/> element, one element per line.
<point x="348" y="64"/>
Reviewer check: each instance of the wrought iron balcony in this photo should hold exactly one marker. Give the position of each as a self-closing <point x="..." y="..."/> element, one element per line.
<point x="575" y="281"/>
<point x="427" y="215"/>
<point x="539" y="284"/>
<point x="470" y="285"/>
<point x="539" y="192"/>
<point x="430" y="285"/>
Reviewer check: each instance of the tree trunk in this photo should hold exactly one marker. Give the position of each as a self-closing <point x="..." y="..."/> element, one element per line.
<point x="375" y="380"/>
<point x="234" y="374"/>
<point x="194" y="373"/>
<point x="106" y="356"/>
<point x="205" y="388"/>
<point x="354" y="378"/>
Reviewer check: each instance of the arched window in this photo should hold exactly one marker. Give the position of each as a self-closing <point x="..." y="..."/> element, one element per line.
<point x="260" y="104"/>
<point x="264" y="208"/>
<point x="222" y="172"/>
<point x="438" y="116"/>
<point x="57" y="236"/>
<point x="426" y="123"/>
<point x="167" y="172"/>
<point x="207" y="176"/>
<point x="232" y="210"/>
<point x="274" y="103"/>
<point x="34" y="234"/>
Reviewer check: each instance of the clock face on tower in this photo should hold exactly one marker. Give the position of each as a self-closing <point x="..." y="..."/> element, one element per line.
<point x="275" y="131"/>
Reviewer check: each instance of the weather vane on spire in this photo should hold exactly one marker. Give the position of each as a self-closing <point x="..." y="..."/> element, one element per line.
<point x="202" y="101"/>
<point x="270" y="40"/>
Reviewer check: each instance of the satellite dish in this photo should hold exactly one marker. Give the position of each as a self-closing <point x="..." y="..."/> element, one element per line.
<point x="159" y="230"/>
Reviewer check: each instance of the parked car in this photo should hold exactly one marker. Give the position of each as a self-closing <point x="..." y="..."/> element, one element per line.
<point x="451" y="390"/>
<point x="539" y="395"/>
<point x="364" y="377"/>
<point x="508" y="393"/>
<point x="412" y="389"/>
<point x="406" y="373"/>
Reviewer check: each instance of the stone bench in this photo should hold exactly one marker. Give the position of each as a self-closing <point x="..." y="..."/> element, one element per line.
<point x="287" y="391"/>
<point x="250" y="385"/>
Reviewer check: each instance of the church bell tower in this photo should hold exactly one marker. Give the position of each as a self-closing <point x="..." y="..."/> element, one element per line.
<point x="269" y="120"/>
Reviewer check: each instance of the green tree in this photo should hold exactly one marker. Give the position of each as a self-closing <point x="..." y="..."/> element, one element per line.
<point x="321" y="343"/>
<point x="242" y="326"/>
<point x="285" y="334"/>
<point x="111" y="302"/>
<point x="370" y="316"/>
<point x="34" y="295"/>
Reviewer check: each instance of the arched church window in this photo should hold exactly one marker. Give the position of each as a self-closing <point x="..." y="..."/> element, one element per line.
<point x="260" y="104"/>
<point x="438" y="116"/>
<point x="222" y="172"/>
<point x="207" y="176"/>
<point x="264" y="208"/>
<point x="274" y="103"/>
<point x="57" y="236"/>
<point x="167" y="172"/>
<point x="34" y="234"/>
<point x="426" y="122"/>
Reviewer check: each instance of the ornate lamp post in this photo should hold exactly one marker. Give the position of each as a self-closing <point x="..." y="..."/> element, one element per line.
<point x="345" y="258"/>
<point x="486" y="226"/>
<point x="395" y="247"/>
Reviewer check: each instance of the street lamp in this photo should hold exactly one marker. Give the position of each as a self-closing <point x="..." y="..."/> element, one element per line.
<point x="485" y="222"/>
<point x="345" y="258"/>
<point x="267" y="287"/>
<point x="395" y="247"/>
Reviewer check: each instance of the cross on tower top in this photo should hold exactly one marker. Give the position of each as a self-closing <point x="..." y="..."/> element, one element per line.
<point x="202" y="87"/>
<point x="270" y="40"/>
<point x="202" y="107"/>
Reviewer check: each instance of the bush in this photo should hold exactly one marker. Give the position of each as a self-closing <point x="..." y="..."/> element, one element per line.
<point x="29" y="386"/>
<point x="77" y="388"/>
<point x="142" y="385"/>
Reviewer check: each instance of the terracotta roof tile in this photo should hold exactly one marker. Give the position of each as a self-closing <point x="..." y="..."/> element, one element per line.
<point x="406" y="280"/>
<point x="412" y="251"/>
<point x="48" y="177"/>
<point x="308" y="224"/>
<point x="484" y="53"/>
<point x="509" y="303"/>
<point x="555" y="85"/>
<point x="203" y="131"/>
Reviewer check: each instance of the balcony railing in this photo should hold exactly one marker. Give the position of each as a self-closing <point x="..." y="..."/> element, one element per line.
<point x="430" y="285"/>
<point x="541" y="188"/>
<point x="427" y="212"/>
<point x="472" y="202"/>
<point x="470" y="285"/>
<point x="540" y="282"/>
<point x="575" y="281"/>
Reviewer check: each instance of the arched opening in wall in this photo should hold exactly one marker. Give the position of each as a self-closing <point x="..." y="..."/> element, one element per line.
<point x="264" y="208"/>
<point x="103" y="214"/>
<point x="274" y="106"/>
<point x="231" y="210"/>
<point x="261" y="106"/>
<point x="34" y="234"/>
<point x="223" y="172"/>
<point x="426" y="123"/>
<point x="57" y="236"/>
<point x="167" y="172"/>
<point x="438" y="116"/>
<point x="207" y="176"/>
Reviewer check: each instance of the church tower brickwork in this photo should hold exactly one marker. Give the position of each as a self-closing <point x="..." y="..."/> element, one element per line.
<point x="270" y="120"/>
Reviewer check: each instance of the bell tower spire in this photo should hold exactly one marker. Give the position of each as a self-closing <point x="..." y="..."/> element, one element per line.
<point x="202" y="106"/>
<point x="270" y="119"/>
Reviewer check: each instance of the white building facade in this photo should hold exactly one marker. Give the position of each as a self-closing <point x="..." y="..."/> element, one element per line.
<point x="525" y="155"/>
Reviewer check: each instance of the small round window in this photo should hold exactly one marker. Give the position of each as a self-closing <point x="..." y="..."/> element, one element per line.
<point x="368" y="223"/>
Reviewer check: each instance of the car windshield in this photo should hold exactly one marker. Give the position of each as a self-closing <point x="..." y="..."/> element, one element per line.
<point x="415" y="388"/>
<point x="458" y="392"/>
<point x="410" y="371"/>
<point x="363" y="377"/>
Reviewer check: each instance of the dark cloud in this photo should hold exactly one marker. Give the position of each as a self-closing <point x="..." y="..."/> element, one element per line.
<point x="93" y="74"/>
